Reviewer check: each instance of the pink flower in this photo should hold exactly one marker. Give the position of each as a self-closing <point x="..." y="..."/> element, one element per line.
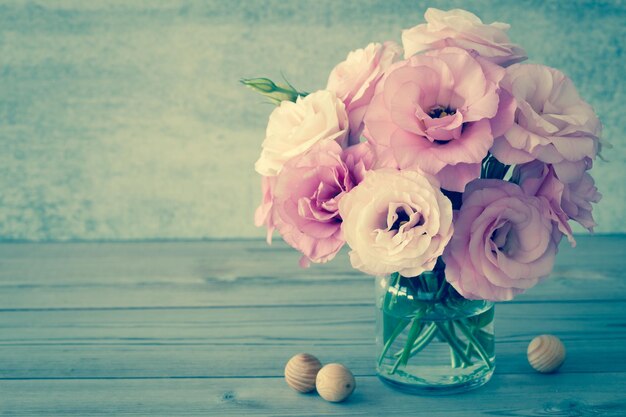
<point x="577" y="199"/>
<point x="294" y="128"/>
<point x="439" y="112"/>
<point x="359" y="159"/>
<point x="263" y="215"/>
<point x="552" y="123"/>
<point x="354" y="80"/>
<point x="504" y="242"/>
<point x="538" y="179"/>
<point x="465" y="30"/>
<point x="306" y="196"/>
<point x="567" y="201"/>
<point x="396" y="221"/>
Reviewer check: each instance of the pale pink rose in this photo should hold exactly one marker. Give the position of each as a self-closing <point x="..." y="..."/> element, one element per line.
<point x="552" y="123"/>
<point x="263" y="215"/>
<point x="567" y="200"/>
<point x="465" y="30"/>
<point x="354" y="80"/>
<point x="578" y="196"/>
<point x="293" y="128"/>
<point x="439" y="112"/>
<point x="306" y="196"/>
<point x="359" y="159"/>
<point x="504" y="242"/>
<point x="396" y="221"/>
<point x="539" y="179"/>
<point x="577" y="199"/>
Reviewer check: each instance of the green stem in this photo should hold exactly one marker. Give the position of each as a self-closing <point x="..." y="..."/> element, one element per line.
<point x="474" y="342"/>
<point x="455" y="361"/>
<point x="441" y="289"/>
<point x="482" y="333"/>
<point x="388" y="301"/>
<point x="432" y="283"/>
<point x="422" y="341"/>
<point x="395" y="278"/>
<point x="453" y="342"/>
<point x="468" y="351"/>
<point x="410" y="282"/>
<point x="415" y="330"/>
<point x="396" y="332"/>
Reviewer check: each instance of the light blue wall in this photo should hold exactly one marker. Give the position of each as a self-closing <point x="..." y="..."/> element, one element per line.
<point x="124" y="119"/>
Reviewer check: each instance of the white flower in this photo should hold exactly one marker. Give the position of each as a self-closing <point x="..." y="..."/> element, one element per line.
<point x="354" y="80"/>
<point x="465" y="30"/>
<point x="293" y="128"/>
<point x="396" y="221"/>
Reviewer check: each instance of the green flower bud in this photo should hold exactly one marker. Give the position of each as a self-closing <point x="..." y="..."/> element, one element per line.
<point x="276" y="93"/>
<point x="263" y="85"/>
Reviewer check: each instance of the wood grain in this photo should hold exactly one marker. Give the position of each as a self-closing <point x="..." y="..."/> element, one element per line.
<point x="564" y="394"/>
<point x="244" y="273"/>
<point x="205" y="328"/>
<point x="218" y="342"/>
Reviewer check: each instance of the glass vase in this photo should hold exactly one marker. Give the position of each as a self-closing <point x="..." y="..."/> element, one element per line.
<point x="430" y="340"/>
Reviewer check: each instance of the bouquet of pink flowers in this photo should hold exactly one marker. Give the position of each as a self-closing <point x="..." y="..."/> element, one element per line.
<point x="441" y="155"/>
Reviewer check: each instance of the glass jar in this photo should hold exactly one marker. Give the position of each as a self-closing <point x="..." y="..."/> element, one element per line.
<point x="431" y="340"/>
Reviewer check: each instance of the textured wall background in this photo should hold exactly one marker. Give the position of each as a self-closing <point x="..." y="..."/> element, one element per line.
<point x="124" y="119"/>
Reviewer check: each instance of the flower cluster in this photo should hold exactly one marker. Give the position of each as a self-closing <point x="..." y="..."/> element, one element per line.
<point x="445" y="148"/>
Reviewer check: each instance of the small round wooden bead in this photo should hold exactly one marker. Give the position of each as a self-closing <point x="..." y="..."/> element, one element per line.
<point x="301" y="371"/>
<point x="546" y="353"/>
<point x="335" y="382"/>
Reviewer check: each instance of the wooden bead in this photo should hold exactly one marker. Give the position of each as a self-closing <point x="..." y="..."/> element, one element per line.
<point x="546" y="353"/>
<point x="301" y="371"/>
<point x="335" y="382"/>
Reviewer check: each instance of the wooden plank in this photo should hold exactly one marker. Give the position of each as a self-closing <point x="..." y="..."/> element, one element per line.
<point x="257" y="341"/>
<point x="205" y="360"/>
<point x="226" y="260"/>
<point x="192" y="328"/>
<point x="505" y="395"/>
<point x="243" y="273"/>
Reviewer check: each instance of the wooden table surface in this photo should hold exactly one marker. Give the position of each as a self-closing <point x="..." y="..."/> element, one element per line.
<point x="205" y="328"/>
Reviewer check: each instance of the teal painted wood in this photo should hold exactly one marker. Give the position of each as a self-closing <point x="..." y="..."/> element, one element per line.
<point x="205" y="328"/>
<point x="506" y="395"/>
<point x="258" y="341"/>
<point x="231" y="273"/>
